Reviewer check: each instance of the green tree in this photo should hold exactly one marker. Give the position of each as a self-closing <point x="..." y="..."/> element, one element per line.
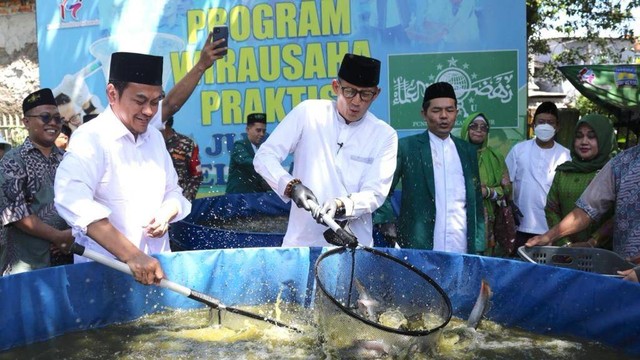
<point x="586" y="106"/>
<point x="584" y="20"/>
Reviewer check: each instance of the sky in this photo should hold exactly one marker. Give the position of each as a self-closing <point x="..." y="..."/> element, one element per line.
<point x="635" y="26"/>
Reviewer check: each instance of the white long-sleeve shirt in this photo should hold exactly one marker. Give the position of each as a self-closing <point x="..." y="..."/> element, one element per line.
<point x="531" y="169"/>
<point x="107" y="173"/>
<point x="354" y="162"/>
<point x="450" y="231"/>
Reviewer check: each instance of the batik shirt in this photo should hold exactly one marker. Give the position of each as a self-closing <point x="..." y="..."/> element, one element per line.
<point x="184" y="154"/>
<point x="26" y="188"/>
<point x="616" y="185"/>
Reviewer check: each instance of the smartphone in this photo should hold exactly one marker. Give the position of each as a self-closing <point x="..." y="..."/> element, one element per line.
<point x="221" y="32"/>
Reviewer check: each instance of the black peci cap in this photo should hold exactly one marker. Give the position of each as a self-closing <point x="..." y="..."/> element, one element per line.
<point x="439" y="90"/>
<point x="360" y="70"/>
<point x="136" y="68"/>
<point x="257" y="118"/>
<point x="37" y="98"/>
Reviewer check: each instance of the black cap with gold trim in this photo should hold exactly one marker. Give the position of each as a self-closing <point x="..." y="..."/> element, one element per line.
<point x="37" y="98"/>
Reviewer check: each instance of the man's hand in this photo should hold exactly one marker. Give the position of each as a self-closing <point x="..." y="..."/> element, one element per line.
<point x="146" y="269"/>
<point x="159" y="225"/>
<point x="62" y="240"/>
<point x="301" y="195"/>
<point x="209" y="54"/>
<point x="184" y="88"/>
<point x="330" y="208"/>
<point x="156" y="228"/>
<point x="539" y="240"/>
<point x="630" y="274"/>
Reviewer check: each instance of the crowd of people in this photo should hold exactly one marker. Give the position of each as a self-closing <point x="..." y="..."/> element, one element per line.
<point x="132" y="174"/>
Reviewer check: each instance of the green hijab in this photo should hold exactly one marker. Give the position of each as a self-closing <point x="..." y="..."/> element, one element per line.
<point x="604" y="133"/>
<point x="491" y="164"/>
<point x="464" y="131"/>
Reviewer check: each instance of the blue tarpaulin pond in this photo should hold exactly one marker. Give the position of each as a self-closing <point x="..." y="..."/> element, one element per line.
<point x="46" y="303"/>
<point x="196" y="233"/>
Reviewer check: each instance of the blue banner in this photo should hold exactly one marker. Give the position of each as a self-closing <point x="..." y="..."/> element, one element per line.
<point x="283" y="52"/>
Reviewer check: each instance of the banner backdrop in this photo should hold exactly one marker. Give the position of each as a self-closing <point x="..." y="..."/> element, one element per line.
<point x="283" y="52"/>
<point x="614" y="87"/>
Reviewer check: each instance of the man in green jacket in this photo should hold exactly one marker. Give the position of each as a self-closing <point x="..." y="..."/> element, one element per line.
<point x="242" y="176"/>
<point x="441" y="205"/>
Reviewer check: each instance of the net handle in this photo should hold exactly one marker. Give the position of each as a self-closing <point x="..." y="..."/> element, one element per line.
<point x="344" y="238"/>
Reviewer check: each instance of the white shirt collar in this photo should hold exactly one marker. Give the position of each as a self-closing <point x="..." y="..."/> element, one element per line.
<point x="434" y="137"/>
<point x="119" y="130"/>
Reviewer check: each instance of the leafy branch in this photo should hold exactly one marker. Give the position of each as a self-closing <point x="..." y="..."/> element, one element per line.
<point x="583" y="21"/>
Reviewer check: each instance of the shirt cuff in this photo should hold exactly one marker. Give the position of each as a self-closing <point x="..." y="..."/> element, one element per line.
<point x="16" y="213"/>
<point x="179" y="202"/>
<point x="98" y="212"/>
<point x="348" y="205"/>
<point x="282" y="185"/>
<point x="591" y="212"/>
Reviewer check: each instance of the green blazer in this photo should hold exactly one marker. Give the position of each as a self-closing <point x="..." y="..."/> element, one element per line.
<point x="243" y="178"/>
<point x="417" y="211"/>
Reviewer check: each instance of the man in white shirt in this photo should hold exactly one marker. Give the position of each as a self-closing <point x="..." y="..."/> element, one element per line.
<point x="532" y="166"/>
<point x="116" y="185"/>
<point x="344" y="156"/>
<point x="441" y="205"/>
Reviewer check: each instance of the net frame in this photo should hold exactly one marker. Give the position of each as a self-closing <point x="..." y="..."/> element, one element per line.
<point x="348" y="311"/>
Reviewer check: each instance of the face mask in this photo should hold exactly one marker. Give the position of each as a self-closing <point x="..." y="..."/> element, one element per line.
<point x="544" y="132"/>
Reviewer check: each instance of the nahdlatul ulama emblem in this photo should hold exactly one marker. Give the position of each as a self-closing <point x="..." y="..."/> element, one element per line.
<point x="469" y="86"/>
<point x="482" y="81"/>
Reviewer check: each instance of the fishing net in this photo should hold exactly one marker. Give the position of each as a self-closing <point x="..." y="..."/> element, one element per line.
<point x="371" y="304"/>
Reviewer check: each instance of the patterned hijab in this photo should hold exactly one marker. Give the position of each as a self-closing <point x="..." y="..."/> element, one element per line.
<point x="604" y="133"/>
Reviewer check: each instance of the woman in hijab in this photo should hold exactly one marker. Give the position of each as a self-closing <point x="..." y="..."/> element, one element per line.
<point x="494" y="175"/>
<point x="592" y="147"/>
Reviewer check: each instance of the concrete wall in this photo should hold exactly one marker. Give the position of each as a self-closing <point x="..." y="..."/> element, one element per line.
<point x="18" y="63"/>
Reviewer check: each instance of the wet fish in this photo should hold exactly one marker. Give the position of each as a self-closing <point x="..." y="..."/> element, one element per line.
<point x="393" y="318"/>
<point x="365" y="349"/>
<point x="367" y="305"/>
<point x="481" y="306"/>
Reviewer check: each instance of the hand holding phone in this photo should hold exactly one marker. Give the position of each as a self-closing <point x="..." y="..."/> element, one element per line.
<point x="221" y="32"/>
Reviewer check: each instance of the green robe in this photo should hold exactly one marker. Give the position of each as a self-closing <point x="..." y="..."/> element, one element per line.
<point x="243" y="178"/>
<point x="417" y="218"/>
<point x="494" y="175"/>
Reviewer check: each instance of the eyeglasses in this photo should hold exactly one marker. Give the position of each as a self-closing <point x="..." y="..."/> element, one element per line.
<point x="478" y="127"/>
<point x="46" y="118"/>
<point x="350" y="93"/>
